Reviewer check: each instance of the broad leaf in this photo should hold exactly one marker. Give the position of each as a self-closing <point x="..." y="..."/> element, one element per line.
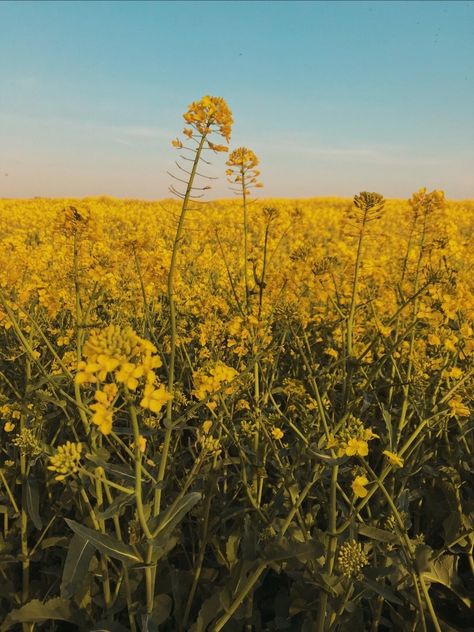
<point x="76" y="566"/>
<point x="376" y="534"/>
<point x="123" y="500"/>
<point x="35" y="611"/>
<point x="105" y="543"/>
<point x="172" y="516"/>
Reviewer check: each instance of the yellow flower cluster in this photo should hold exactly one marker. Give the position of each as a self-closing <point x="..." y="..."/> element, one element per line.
<point x="117" y="349"/>
<point x="74" y="220"/>
<point x="121" y="354"/>
<point x="103" y="408"/>
<point x="352" y="440"/>
<point x="205" y="116"/>
<point x="28" y="443"/>
<point x="458" y="408"/>
<point x="208" y="381"/>
<point x="243" y="170"/>
<point x="352" y="559"/>
<point x="427" y="203"/>
<point x="66" y="461"/>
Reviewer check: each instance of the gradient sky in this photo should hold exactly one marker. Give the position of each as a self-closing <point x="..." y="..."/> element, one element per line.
<point x="334" y="97"/>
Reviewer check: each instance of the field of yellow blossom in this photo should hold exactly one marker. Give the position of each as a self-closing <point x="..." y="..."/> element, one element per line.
<point x="241" y="415"/>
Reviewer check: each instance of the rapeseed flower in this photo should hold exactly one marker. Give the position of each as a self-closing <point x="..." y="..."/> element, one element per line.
<point x="358" y="486"/>
<point x="66" y="460"/>
<point x="394" y="458"/>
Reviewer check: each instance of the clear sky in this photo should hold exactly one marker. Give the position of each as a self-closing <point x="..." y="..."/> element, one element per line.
<point x="334" y="97"/>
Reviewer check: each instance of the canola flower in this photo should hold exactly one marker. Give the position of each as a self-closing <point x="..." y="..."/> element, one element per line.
<point x="353" y="439"/>
<point x="359" y="486"/>
<point x="393" y="458"/>
<point x="352" y="559"/>
<point x="243" y="170"/>
<point x="204" y="117"/>
<point x="66" y="461"/>
<point x="121" y="355"/>
<point x="208" y="381"/>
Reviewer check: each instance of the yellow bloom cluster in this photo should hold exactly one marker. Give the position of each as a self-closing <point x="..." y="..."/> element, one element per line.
<point x="117" y="349"/>
<point x="352" y="559"/>
<point x="458" y="408"/>
<point x="28" y="442"/>
<point x="66" y="461"/>
<point x="205" y="116"/>
<point x="207" y="381"/>
<point x="427" y="203"/>
<point x="352" y="440"/>
<point x="243" y="170"/>
<point x="74" y="220"/>
<point x="103" y="408"/>
<point x="121" y="354"/>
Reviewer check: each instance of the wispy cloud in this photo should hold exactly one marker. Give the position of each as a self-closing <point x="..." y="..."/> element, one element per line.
<point x="390" y="155"/>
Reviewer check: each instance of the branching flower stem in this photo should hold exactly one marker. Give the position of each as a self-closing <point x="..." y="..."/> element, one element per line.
<point x="172" y="307"/>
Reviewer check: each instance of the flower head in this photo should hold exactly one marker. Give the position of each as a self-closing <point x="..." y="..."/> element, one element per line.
<point x="243" y="170"/>
<point x="352" y="559"/>
<point x="394" y="458"/>
<point x="66" y="461"/>
<point x="358" y="486"/>
<point x="207" y="115"/>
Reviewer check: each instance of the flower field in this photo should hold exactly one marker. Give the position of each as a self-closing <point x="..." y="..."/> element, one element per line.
<point x="243" y="415"/>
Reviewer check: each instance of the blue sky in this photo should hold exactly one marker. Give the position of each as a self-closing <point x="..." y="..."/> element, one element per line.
<point x="334" y="97"/>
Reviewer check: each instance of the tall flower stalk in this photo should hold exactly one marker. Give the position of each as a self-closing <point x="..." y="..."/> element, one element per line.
<point x="243" y="174"/>
<point x="203" y="118"/>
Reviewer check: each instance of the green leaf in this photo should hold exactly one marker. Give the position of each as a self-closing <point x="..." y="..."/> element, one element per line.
<point x="122" y="500"/>
<point x="35" y="611"/>
<point x="376" y="534"/>
<point x="172" y="516"/>
<point x="105" y="543"/>
<point x="444" y="571"/>
<point x="383" y="590"/>
<point x="208" y="612"/>
<point x="121" y="472"/>
<point x="161" y="545"/>
<point x="76" y="566"/>
<point x="285" y="550"/>
<point x="162" y="606"/>
<point x="32" y="502"/>
<point x="232" y="547"/>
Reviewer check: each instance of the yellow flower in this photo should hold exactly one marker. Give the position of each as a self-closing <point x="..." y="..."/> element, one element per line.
<point x="277" y="433"/>
<point x="357" y="447"/>
<point x="458" y="408"/>
<point x="243" y="163"/>
<point x="102" y="417"/>
<point x="155" y="398"/>
<point x="206" y="426"/>
<point x="8" y="427"/>
<point x="128" y="375"/>
<point x="66" y="461"/>
<point x="332" y="442"/>
<point x="141" y="444"/>
<point x="368" y="435"/>
<point x="358" y="486"/>
<point x="394" y="458"/>
<point x="210" y="112"/>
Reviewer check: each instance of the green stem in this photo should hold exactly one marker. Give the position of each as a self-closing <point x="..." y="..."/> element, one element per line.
<point x="172" y="306"/>
<point x="331" y="552"/>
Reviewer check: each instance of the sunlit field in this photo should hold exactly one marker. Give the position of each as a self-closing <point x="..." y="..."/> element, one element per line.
<point x="243" y="415"/>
